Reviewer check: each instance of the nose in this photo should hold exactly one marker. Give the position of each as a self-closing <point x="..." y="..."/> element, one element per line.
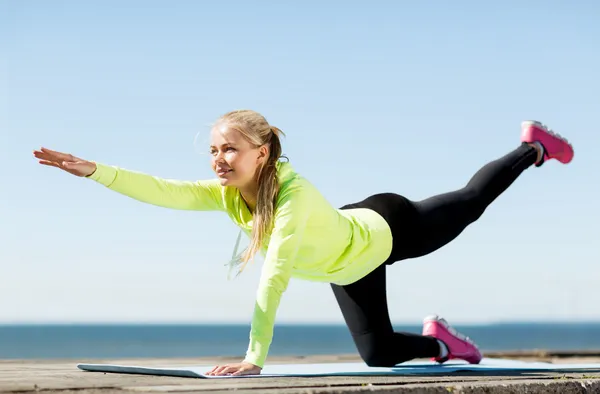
<point x="218" y="157"/>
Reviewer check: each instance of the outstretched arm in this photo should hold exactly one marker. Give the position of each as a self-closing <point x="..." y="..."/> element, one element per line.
<point x="168" y="193"/>
<point x="175" y="194"/>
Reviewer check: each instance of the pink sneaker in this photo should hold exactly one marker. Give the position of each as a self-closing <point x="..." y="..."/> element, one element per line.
<point x="555" y="146"/>
<point x="459" y="346"/>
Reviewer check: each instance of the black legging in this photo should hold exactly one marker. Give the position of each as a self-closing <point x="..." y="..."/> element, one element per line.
<point x="418" y="228"/>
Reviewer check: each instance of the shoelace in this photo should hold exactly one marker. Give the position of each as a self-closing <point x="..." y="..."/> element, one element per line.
<point x="555" y="134"/>
<point x="458" y="334"/>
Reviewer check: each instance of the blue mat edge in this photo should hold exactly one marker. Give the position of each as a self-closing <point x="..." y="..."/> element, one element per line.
<point x="412" y="368"/>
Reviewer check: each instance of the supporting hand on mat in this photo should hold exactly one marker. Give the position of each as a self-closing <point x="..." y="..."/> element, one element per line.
<point x="235" y="370"/>
<point x="64" y="161"/>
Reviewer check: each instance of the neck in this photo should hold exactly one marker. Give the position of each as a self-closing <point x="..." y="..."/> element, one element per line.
<point x="250" y="196"/>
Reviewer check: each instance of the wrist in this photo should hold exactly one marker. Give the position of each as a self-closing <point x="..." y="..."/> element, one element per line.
<point x="93" y="171"/>
<point x="253" y="362"/>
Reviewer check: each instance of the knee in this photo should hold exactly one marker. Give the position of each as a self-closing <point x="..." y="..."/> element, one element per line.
<point x="378" y="360"/>
<point x="377" y="354"/>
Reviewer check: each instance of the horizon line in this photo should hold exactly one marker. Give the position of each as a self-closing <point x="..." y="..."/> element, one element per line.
<point x="284" y="323"/>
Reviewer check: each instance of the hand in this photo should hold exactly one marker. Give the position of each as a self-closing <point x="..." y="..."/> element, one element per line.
<point x="235" y="370"/>
<point x="64" y="161"/>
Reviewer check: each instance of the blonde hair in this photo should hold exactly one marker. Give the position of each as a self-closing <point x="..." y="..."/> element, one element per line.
<point x="255" y="128"/>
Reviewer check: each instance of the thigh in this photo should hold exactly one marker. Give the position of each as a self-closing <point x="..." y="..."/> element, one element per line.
<point x="442" y="218"/>
<point x="364" y="304"/>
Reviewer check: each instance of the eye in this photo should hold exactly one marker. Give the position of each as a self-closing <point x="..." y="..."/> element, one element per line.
<point x="231" y="149"/>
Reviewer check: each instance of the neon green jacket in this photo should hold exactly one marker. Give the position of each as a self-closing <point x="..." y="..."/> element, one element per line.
<point x="310" y="240"/>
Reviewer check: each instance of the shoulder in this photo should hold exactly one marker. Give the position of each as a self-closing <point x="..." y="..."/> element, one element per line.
<point x="292" y="185"/>
<point x="296" y="194"/>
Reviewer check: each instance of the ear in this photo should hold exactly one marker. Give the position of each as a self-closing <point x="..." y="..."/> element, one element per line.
<point x="263" y="153"/>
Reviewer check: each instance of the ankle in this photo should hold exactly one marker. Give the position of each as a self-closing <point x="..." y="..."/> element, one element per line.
<point x="539" y="149"/>
<point x="443" y="349"/>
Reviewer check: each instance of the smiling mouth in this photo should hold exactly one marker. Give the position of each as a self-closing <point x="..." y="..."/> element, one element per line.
<point x="223" y="172"/>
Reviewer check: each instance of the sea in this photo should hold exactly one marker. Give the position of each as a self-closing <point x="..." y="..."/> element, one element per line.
<point x="115" y="341"/>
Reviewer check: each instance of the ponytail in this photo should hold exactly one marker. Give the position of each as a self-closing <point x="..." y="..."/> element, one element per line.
<point x="268" y="192"/>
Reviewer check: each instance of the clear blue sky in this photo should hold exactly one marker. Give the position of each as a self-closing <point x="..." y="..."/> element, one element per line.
<point x="410" y="97"/>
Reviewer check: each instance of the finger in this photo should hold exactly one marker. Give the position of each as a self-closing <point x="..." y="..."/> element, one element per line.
<point x="210" y="372"/>
<point x="50" y="151"/>
<point x="46" y="156"/>
<point x="41" y="155"/>
<point x="58" y="155"/>
<point x="49" y="163"/>
<point x="63" y="165"/>
<point x="226" y="370"/>
<point x="216" y="370"/>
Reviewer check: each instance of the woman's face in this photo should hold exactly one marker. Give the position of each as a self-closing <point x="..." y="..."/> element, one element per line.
<point x="235" y="160"/>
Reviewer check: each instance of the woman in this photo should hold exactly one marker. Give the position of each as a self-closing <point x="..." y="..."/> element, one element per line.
<point x="303" y="236"/>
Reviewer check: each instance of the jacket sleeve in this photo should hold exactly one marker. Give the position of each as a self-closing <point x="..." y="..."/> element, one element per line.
<point x="201" y="195"/>
<point x="286" y="237"/>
